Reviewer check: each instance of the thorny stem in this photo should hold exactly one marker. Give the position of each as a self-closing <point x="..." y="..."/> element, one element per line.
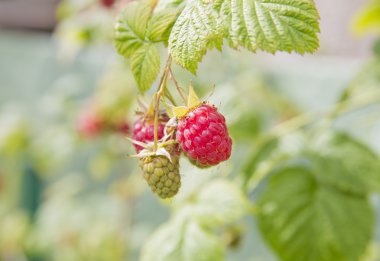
<point x="160" y="92"/>
<point x="179" y="89"/>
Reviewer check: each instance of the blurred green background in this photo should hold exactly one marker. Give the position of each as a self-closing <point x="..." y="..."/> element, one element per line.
<point x="65" y="195"/>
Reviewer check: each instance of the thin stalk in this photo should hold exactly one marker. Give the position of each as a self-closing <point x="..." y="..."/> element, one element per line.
<point x="179" y="89"/>
<point x="327" y="115"/>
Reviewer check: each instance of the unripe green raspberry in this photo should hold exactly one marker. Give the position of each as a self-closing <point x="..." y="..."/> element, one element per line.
<point x="162" y="174"/>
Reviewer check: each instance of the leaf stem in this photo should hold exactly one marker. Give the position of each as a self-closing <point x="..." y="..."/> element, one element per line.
<point x="159" y="93"/>
<point x="331" y="113"/>
<point x="179" y="89"/>
<point x="327" y="116"/>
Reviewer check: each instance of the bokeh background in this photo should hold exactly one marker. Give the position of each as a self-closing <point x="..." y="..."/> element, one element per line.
<point x="68" y="191"/>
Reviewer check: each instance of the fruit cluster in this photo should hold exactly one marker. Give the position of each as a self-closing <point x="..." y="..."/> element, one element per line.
<point x="199" y="131"/>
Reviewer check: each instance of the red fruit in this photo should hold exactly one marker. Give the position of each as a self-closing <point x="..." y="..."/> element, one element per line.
<point x="203" y="136"/>
<point x="107" y="3"/>
<point x="89" y="123"/>
<point x="143" y="130"/>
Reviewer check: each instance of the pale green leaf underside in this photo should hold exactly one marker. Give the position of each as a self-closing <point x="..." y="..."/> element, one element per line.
<point x="185" y="242"/>
<point x="218" y="203"/>
<point x="197" y="29"/>
<point x="304" y="220"/>
<point x="145" y="65"/>
<point x="130" y="28"/>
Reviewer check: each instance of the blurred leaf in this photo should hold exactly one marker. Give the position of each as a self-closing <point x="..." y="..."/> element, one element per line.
<point x="185" y="242"/>
<point x="220" y="202"/>
<point x="14" y="227"/>
<point x="303" y="219"/>
<point x="130" y="28"/>
<point x="368" y="79"/>
<point x="368" y="19"/>
<point x="100" y="166"/>
<point x="246" y="127"/>
<point x="348" y="164"/>
<point x="145" y="65"/>
<point x="160" y="24"/>
<point x="271" y="25"/>
<point x="14" y="134"/>
<point x="196" y="30"/>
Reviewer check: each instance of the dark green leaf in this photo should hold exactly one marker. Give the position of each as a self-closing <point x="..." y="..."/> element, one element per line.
<point x="348" y="164"/>
<point x="271" y="25"/>
<point x="304" y="220"/>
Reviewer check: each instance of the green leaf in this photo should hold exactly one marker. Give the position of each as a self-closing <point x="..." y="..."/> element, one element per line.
<point x="145" y="65"/>
<point x="130" y="28"/>
<point x="271" y="25"/>
<point x="348" y="164"/>
<point x="166" y="4"/>
<point x="219" y="203"/>
<point x="246" y="126"/>
<point x="186" y="242"/>
<point x="196" y="30"/>
<point x="160" y="24"/>
<point x="304" y="220"/>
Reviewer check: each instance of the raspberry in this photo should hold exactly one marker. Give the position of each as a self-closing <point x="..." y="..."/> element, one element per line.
<point x="203" y="136"/>
<point x="162" y="174"/>
<point x="143" y="130"/>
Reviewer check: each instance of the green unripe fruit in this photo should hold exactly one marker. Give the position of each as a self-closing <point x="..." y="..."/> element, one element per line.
<point x="162" y="174"/>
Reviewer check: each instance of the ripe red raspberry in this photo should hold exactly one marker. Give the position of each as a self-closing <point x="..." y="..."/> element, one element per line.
<point x="143" y="130"/>
<point x="203" y="136"/>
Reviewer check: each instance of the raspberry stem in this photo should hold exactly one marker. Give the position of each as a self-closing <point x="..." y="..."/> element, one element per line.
<point x="160" y="91"/>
